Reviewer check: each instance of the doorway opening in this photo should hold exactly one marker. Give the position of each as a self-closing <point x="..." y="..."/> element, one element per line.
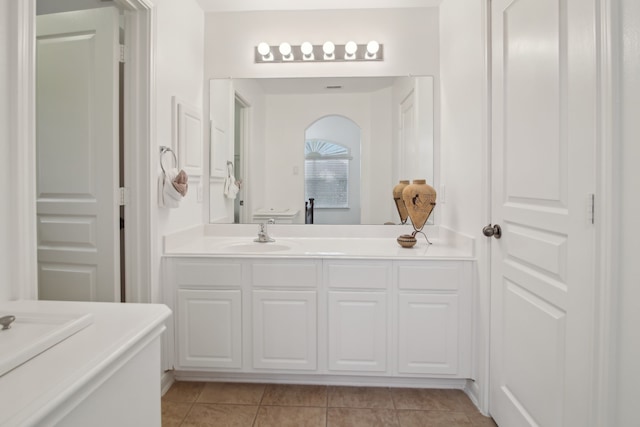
<point x="241" y="137"/>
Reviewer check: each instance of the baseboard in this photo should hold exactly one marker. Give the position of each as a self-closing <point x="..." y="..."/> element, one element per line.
<point x="472" y="390"/>
<point x="337" y="380"/>
<point x="167" y="381"/>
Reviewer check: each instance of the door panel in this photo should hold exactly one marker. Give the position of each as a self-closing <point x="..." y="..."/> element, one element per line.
<point x="428" y="333"/>
<point x="77" y="155"/>
<point x="210" y="328"/>
<point x="357" y="331"/>
<point x="544" y="109"/>
<point x="285" y="328"/>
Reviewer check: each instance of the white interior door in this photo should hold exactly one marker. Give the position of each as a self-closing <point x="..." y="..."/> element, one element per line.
<point x="416" y="131"/>
<point x="408" y="137"/>
<point x="77" y="155"/>
<point x="222" y="102"/>
<point x="544" y="136"/>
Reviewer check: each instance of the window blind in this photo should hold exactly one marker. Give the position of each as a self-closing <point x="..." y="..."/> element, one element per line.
<point x="327" y="181"/>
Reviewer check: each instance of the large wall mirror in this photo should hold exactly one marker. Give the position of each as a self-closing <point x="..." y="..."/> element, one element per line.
<point x="344" y="141"/>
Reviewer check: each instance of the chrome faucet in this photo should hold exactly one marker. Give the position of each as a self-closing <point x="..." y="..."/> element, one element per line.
<point x="6" y="321"/>
<point x="263" y="235"/>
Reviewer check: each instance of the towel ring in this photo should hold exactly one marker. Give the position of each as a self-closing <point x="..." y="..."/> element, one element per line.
<point x="163" y="151"/>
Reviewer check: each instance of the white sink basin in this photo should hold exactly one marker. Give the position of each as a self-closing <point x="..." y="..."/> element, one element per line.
<point x="256" y="247"/>
<point x="32" y="333"/>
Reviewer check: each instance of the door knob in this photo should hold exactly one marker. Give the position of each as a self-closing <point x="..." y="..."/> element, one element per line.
<point x="492" y="230"/>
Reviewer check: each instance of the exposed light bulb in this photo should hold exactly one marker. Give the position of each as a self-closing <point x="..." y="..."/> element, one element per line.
<point x="328" y="49"/>
<point x="285" y="51"/>
<point x="372" y="49"/>
<point x="307" y="50"/>
<point x="265" y="51"/>
<point x="350" y="50"/>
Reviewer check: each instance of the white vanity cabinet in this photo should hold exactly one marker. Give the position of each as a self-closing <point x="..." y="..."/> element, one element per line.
<point x="284" y="295"/>
<point x="358" y="315"/>
<point x="285" y="329"/>
<point x="207" y="299"/>
<point x="434" y="318"/>
<point x="257" y="316"/>
<point x="209" y="328"/>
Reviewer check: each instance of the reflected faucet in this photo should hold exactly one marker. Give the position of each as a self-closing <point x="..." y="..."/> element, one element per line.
<point x="263" y="235"/>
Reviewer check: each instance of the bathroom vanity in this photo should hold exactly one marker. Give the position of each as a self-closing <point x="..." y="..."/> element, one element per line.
<point x="104" y="372"/>
<point x="351" y="310"/>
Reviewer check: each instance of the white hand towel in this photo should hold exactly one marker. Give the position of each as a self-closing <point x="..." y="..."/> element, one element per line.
<point x="168" y="196"/>
<point x="230" y="187"/>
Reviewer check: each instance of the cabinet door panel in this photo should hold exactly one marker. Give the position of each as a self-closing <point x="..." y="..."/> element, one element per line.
<point x="430" y="276"/>
<point x="358" y="274"/>
<point x="280" y="274"/>
<point x="199" y="272"/>
<point x="285" y="329"/>
<point x="210" y="328"/>
<point x="357" y="331"/>
<point x="428" y="333"/>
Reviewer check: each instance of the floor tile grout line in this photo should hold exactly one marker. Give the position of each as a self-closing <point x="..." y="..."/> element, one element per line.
<point x="184" y="418"/>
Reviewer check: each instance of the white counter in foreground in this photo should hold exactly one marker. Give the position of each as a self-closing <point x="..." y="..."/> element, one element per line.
<point x="107" y="374"/>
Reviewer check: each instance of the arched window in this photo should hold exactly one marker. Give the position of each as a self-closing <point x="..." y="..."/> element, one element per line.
<point x="326" y="173"/>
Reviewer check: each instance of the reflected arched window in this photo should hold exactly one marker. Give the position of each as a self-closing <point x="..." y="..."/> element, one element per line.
<point x="326" y="173"/>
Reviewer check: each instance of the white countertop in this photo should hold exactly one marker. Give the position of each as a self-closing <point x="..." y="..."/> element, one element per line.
<point x="30" y="391"/>
<point x="317" y="242"/>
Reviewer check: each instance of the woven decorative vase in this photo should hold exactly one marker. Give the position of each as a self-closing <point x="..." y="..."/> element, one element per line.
<point x="397" y="197"/>
<point x="419" y="199"/>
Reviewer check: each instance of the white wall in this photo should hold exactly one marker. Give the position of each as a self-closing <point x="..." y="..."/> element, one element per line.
<point x="463" y="148"/>
<point x="179" y="72"/>
<point x="6" y="291"/>
<point x="232" y="36"/>
<point x="629" y="310"/>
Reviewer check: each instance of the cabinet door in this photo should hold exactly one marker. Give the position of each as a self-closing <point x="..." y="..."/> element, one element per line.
<point x="284" y="329"/>
<point x="428" y="333"/>
<point x="209" y="328"/>
<point x="357" y="331"/>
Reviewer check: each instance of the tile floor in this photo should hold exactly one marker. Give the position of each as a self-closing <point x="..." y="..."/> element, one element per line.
<point x="189" y="404"/>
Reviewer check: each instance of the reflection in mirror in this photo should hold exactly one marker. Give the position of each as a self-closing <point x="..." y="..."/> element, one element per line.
<point x="283" y="136"/>
<point x="332" y="170"/>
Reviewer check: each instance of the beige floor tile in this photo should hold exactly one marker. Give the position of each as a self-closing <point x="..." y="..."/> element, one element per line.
<point x="174" y="412"/>
<point x="479" y="420"/>
<point x="433" y="419"/>
<point x="295" y="395"/>
<point x="360" y="397"/>
<point x="466" y="405"/>
<point x="428" y="399"/>
<point x="361" y="417"/>
<point x="290" y="416"/>
<point x="215" y="415"/>
<point x="183" y="391"/>
<point x="234" y="393"/>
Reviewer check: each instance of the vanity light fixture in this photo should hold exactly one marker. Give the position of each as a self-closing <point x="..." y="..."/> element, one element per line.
<point x="308" y="52"/>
